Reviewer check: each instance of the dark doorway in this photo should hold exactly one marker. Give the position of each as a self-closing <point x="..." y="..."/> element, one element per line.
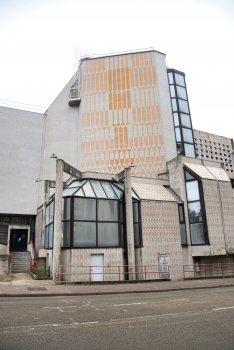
<point x="18" y="240"/>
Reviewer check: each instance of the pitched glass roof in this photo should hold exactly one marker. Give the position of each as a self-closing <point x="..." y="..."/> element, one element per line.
<point x="96" y="189"/>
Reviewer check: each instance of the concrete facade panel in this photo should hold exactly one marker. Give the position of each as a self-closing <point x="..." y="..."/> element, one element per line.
<point x="20" y="150"/>
<point x="228" y="213"/>
<point x="82" y="258"/>
<point x="213" y="216"/>
<point x="161" y="235"/>
<point x="133" y="109"/>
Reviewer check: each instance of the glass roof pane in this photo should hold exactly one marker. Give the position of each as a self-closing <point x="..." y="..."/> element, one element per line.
<point x="117" y="191"/>
<point x="88" y="190"/>
<point x="179" y="200"/>
<point x="121" y="186"/>
<point x="79" y="193"/>
<point x="69" y="191"/>
<point x="98" y="189"/>
<point x="109" y="190"/>
<point x="76" y="183"/>
<point x="134" y="195"/>
<point x="188" y="176"/>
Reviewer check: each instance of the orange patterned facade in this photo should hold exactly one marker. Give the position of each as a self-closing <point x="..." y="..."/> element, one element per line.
<point x="121" y="115"/>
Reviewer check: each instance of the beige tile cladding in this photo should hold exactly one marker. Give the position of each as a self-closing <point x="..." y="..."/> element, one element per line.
<point x="200" y="170"/>
<point x="218" y="173"/>
<point x="155" y="192"/>
<point x="82" y="258"/>
<point x="228" y="213"/>
<point x="161" y="235"/>
<point x="213" y="216"/>
<point x="122" y="115"/>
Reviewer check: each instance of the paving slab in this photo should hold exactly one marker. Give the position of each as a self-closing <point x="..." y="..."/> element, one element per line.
<point x="23" y="285"/>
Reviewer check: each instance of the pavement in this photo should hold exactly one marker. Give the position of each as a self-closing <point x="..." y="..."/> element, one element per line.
<point x="22" y="285"/>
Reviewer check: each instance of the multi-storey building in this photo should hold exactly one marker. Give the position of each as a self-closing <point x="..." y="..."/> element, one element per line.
<point x="117" y="145"/>
<point x="216" y="148"/>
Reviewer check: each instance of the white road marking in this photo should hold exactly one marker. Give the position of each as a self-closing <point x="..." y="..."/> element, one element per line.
<point x="58" y="308"/>
<point x="184" y="299"/>
<point x="224" y="308"/>
<point x="48" y="325"/>
<point x="130" y="304"/>
<point x="189" y="313"/>
<point x="96" y="308"/>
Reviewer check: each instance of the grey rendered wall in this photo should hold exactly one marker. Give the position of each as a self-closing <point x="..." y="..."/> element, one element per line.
<point x="60" y="136"/>
<point x="20" y="147"/>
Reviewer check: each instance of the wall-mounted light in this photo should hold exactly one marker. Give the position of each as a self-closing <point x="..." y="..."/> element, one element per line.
<point x="37" y="180"/>
<point x="53" y="155"/>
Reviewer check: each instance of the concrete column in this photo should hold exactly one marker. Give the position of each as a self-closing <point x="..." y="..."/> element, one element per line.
<point x="46" y="200"/>
<point x="57" y="217"/>
<point x="129" y="224"/>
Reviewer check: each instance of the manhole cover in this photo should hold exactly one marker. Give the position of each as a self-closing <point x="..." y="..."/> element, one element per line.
<point x="37" y="289"/>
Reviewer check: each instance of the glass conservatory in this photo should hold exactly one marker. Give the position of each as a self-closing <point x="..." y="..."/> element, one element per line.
<point x="94" y="216"/>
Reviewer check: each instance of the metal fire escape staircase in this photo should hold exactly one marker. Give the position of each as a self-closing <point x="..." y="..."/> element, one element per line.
<point x="75" y="95"/>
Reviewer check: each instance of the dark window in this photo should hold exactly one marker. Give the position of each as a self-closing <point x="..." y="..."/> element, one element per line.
<point x="136" y="223"/>
<point x="182" y="225"/>
<point x="196" y="210"/>
<point x="49" y="225"/>
<point x="98" y="222"/>
<point x="3" y="234"/>
<point x="181" y="114"/>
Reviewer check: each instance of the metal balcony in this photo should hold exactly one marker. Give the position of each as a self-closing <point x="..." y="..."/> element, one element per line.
<point x="74" y="96"/>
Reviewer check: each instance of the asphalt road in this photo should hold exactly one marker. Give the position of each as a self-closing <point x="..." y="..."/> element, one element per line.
<point x="194" y="319"/>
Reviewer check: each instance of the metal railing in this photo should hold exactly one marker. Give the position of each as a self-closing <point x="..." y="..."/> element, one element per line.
<point x="74" y="94"/>
<point x="208" y="270"/>
<point x="33" y="266"/>
<point x="120" y="271"/>
<point x="30" y="249"/>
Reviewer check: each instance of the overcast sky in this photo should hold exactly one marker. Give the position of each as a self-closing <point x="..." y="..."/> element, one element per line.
<point x="38" y="39"/>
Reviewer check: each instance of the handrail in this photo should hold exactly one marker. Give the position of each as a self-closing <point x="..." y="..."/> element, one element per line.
<point x="209" y="270"/>
<point x="33" y="266"/>
<point x="90" y="273"/>
<point x="32" y="250"/>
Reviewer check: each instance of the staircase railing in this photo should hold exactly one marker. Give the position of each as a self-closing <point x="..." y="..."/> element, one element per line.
<point x="33" y="267"/>
<point x="31" y="249"/>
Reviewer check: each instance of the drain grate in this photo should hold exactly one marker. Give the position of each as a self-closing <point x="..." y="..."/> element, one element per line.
<point x="37" y="289"/>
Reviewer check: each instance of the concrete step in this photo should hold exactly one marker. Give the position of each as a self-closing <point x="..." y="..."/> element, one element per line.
<point x="20" y="261"/>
